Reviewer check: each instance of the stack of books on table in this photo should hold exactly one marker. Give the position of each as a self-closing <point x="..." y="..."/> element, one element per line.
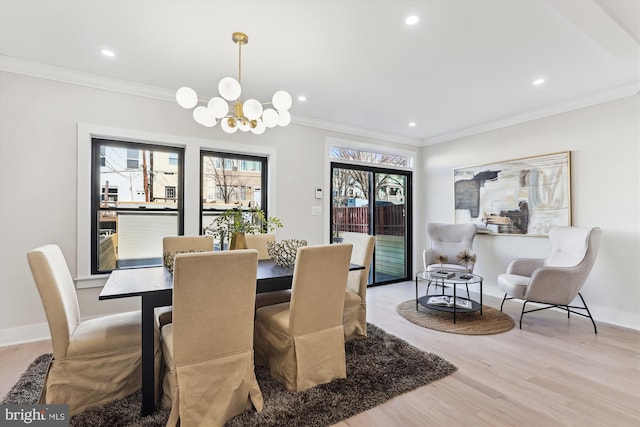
<point x="447" y="301"/>
<point x="442" y="274"/>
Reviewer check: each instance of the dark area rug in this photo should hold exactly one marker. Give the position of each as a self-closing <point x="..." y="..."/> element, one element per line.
<point x="378" y="369"/>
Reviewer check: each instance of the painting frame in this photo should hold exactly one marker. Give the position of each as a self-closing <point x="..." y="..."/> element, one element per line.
<point x="526" y="196"/>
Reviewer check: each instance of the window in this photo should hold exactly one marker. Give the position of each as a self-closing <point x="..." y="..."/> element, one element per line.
<point x="237" y="184"/>
<point x="368" y="156"/>
<point x="136" y="200"/>
<point x="132" y="158"/>
<point x="170" y="192"/>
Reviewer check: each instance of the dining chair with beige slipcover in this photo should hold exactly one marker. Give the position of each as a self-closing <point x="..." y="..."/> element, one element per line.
<point x="554" y="281"/>
<point x="172" y="245"/>
<point x="259" y="242"/>
<point x="95" y="361"/>
<point x="208" y="348"/>
<point x="355" y="300"/>
<point x="302" y="341"/>
<point x="448" y="240"/>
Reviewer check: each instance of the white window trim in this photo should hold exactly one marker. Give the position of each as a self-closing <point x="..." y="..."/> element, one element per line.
<point x="192" y="148"/>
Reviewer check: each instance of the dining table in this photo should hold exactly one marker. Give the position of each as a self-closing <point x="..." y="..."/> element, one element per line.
<point x="155" y="287"/>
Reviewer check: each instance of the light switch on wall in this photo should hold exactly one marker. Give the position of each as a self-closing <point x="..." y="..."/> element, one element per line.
<point x="316" y="210"/>
<point x="318" y="193"/>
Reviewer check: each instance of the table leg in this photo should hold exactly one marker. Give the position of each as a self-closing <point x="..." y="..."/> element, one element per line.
<point x="148" y="376"/>
<point x="481" y="297"/>
<point x="454" y="300"/>
<point x="416" y="293"/>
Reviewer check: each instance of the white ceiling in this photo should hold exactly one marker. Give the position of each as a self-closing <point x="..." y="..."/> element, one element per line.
<point x="467" y="66"/>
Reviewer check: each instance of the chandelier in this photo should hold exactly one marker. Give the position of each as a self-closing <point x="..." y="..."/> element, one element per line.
<point x="249" y="115"/>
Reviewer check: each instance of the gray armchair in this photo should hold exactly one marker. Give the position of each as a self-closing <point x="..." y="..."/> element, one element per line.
<point x="448" y="240"/>
<point x="556" y="280"/>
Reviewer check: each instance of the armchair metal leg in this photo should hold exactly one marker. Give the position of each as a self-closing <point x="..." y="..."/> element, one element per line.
<point x="503" y="300"/>
<point x="524" y="303"/>
<point x="588" y="312"/>
<point x="568" y="308"/>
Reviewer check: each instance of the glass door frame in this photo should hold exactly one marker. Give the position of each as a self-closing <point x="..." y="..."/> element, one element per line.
<point x="408" y="205"/>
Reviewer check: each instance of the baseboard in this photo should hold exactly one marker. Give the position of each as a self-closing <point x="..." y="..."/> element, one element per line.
<point x="24" y="334"/>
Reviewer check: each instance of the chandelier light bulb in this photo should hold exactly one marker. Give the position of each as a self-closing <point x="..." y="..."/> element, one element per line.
<point x="219" y="107"/>
<point x="282" y="100"/>
<point x="229" y="125"/>
<point x="252" y="109"/>
<point x="259" y="128"/>
<point x="229" y="88"/>
<point x="270" y="117"/>
<point x="186" y="97"/>
<point x="284" y="118"/>
<point x="232" y="112"/>
<point x="200" y="115"/>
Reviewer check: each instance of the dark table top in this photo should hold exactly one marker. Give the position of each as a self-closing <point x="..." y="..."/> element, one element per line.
<point x="138" y="281"/>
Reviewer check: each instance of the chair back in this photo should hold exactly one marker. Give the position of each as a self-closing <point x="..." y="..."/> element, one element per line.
<point x="259" y="243"/>
<point x="213" y="304"/>
<point x="318" y="288"/>
<point x="573" y="253"/>
<point x="571" y="246"/>
<point x="171" y="245"/>
<point x="58" y="294"/>
<point x="363" y="245"/>
<point x="450" y="239"/>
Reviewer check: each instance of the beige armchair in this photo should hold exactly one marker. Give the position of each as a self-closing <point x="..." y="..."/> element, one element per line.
<point x="448" y="240"/>
<point x="95" y="361"/>
<point x="556" y="280"/>
<point x="172" y="245"/>
<point x="303" y="341"/>
<point x="208" y="348"/>
<point x="355" y="299"/>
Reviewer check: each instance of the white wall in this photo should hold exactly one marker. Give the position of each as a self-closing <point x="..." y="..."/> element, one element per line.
<point x="39" y="140"/>
<point x="604" y="142"/>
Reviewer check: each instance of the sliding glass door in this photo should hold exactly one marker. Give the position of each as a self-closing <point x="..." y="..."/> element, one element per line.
<point x="375" y="201"/>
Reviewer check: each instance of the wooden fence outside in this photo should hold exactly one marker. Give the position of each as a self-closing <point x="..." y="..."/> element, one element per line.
<point x="356" y="219"/>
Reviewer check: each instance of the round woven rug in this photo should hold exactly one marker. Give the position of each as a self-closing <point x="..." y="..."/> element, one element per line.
<point x="491" y="321"/>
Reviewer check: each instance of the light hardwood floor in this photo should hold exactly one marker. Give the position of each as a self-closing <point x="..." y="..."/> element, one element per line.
<point x="553" y="372"/>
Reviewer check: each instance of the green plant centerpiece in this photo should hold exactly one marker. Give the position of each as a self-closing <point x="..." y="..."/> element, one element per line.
<point x="234" y="223"/>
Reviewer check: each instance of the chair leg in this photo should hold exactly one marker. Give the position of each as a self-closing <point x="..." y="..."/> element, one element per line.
<point x="503" y="300"/>
<point x="522" y="314"/>
<point x="563" y="307"/>
<point x="589" y="313"/>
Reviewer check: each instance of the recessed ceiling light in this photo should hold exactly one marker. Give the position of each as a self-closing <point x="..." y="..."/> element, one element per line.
<point x="412" y="124"/>
<point x="538" y="82"/>
<point x="302" y="98"/>
<point x="108" y="52"/>
<point x="412" y="20"/>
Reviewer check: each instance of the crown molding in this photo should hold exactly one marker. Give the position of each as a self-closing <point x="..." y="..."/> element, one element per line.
<point x="96" y="81"/>
<point x="631" y="89"/>
<point x="65" y="75"/>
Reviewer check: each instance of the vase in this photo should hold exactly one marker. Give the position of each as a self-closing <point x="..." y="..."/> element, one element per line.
<point x="238" y="241"/>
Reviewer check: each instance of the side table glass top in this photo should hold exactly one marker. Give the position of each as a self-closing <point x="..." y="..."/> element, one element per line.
<point x="455" y="279"/>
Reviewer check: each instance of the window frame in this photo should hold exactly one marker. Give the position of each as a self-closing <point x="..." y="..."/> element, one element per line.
<point x="264" y="181"/>
<point x="95" y="195"/>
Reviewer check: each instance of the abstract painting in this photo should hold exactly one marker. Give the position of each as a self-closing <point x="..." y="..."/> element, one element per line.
<point x="527" y="196"/>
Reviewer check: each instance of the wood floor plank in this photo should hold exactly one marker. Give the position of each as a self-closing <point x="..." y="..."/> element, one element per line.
<point x="553" y="372"/>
